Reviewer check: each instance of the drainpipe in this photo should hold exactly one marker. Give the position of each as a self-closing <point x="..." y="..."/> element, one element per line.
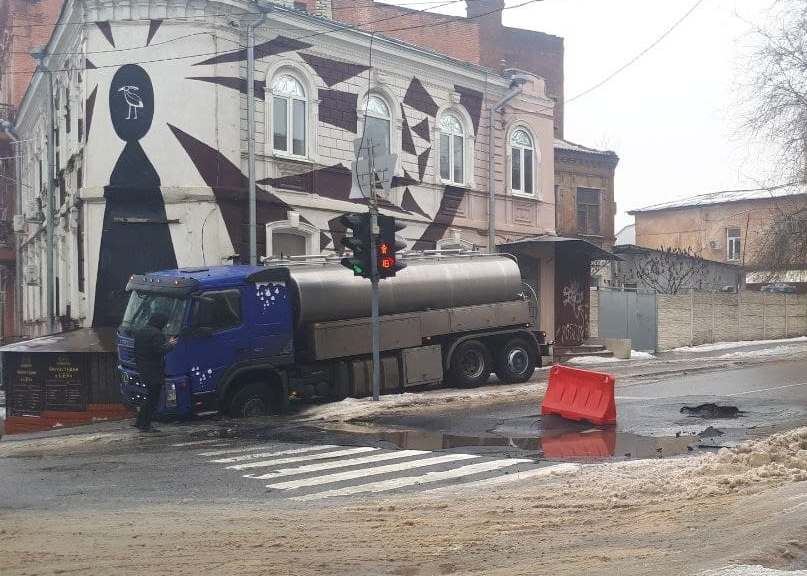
<point x="253" y="219"/>
<point x="8" y="128"/>
<point x="515" y="90"/>
<point x="39" y="55"/>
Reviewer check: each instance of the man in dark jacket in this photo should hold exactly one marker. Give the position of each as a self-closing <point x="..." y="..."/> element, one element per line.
<point x="150" y="348"/>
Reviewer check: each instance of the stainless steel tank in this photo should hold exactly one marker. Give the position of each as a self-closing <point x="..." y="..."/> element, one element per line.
<point x="331" y="292"/>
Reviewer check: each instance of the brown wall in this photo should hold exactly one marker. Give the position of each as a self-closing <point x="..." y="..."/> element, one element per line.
<point x="479" y="39"/>
<point x="23" y="25"/>
<point x="575" y="170"/>
<point x="697" y="226"/>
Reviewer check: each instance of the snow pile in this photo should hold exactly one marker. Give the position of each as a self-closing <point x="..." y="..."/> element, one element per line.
<point x="752" y="571"/>
<point x="11" y="447"/>
<point x="353" y="408"/>
<point x="585" y="360"/>
<point x="740" y="344"/>
<point x="634" y="355"/>
<point x="775" y="351"/>
<point x="778" y="459"/>
<point x="639" y="355"/>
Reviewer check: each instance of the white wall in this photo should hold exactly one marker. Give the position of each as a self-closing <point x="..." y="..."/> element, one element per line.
<point x="215" y="116"/>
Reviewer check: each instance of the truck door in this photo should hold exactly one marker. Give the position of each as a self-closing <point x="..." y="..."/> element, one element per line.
<point x="269" y="310"/>
<point x="218" y="337"/>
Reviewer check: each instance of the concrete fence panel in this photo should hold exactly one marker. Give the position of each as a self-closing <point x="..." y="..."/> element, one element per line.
<point x="702" y="318"/>
<point x="674" y="320"/>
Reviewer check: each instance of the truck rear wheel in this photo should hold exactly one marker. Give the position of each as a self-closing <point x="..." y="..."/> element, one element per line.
<point x="252" y="399"/>
<point x="515" y="361"/>
<point x="470" y="364"/>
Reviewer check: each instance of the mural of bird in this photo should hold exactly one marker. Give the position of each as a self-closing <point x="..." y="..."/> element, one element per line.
<point x="133" y="99"/>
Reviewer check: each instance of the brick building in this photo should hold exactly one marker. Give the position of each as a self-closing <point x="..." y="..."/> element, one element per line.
<point x="584" y="193"/>
<point x="24" y="25"/>
<point x="481" y="38"/>
<point x="730" y="227"/>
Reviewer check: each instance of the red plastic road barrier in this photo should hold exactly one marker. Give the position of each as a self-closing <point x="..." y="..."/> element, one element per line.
<point x="577" y="394"/>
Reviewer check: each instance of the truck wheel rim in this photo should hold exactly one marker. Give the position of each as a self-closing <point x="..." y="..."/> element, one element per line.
<point x="517" y="361"/>
<point x="472" y="364"/>
<point x="254" y="407"/>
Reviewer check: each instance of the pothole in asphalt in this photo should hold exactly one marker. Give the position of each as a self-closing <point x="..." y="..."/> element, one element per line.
<point x="711" y="410"/>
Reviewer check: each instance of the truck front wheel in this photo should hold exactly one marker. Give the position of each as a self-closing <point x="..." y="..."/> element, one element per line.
<point x="252" y="399"/>
<point x="515" y="361"/>
<point x="470" y="364"/>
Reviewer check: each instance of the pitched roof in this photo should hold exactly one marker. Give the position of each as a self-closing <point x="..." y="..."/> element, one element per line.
<point x="723" y="197"/>
<point x="561" y="144"/>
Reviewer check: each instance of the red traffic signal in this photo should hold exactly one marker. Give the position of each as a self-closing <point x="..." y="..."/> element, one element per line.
<point x="388" y="247"/>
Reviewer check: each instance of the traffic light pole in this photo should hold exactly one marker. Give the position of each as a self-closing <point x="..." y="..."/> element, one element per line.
<point x="374" y="278"/>
<point x="376" y="332"/>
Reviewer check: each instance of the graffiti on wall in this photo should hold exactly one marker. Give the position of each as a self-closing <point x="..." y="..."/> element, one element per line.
<point x="135" y="222"/>
<point x="135" y="237"/>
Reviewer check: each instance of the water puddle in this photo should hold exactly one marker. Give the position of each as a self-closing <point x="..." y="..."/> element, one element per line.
<point x="569" y="442"/>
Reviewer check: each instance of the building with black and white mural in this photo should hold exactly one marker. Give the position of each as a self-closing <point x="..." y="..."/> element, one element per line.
<point x="150" y="140"/>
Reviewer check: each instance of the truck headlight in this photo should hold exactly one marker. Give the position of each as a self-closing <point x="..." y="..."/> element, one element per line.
<point x="170" y="395"/>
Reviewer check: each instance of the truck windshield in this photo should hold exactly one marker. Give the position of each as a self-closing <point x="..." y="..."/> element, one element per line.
<point x="143" y="304"/>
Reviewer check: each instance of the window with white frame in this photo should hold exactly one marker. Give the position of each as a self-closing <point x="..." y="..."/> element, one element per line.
<point x="288" y="115"/>
<point x="522" y="163"/>
<point x="452" y="149"/>
<point x="377" y="123"/>
<point x="732" y="244"/>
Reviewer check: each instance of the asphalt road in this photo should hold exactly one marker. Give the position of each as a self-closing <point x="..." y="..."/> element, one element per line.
<point x="303" y="463"/>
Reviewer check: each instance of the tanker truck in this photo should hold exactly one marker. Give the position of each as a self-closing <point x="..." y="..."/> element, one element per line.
<point x="249" y="338"/>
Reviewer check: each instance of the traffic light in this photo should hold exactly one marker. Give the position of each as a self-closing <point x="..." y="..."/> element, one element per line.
<point x="359" y="243"/>
<point x="388" y="246"/>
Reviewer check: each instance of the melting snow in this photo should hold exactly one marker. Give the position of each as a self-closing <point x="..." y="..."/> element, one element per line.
<point x="740" y="344"/>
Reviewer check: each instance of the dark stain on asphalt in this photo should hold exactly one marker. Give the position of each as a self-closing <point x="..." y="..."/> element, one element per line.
<point x="711" y="410"/>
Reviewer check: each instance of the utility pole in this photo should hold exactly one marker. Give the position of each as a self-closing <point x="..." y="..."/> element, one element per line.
<point x="253" y="219"/>
<point x="253" y="225"/>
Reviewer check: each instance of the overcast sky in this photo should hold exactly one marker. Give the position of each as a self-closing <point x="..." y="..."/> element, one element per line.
<point x="672" y="117"/>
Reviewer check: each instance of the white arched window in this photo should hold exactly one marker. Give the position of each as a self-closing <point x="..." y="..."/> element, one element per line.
<point x="452" y="149"/>
<point x="288" y="115"/>
<point x="377" y="123"/>
<point x="522" y="162"/>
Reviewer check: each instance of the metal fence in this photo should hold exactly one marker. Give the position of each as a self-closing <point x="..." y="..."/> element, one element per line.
<point x="626" y="314"/>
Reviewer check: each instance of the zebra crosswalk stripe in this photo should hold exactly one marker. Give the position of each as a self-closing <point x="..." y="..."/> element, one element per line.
<point x="559" y="469"/>
<point x="428" y="477"/>
<point x="217" y="442"/>
<point x="243" y="449"/>
<point x="244" y="457"/>
<point x="342" y="476"/>
<point x="338" y="464"/>
<point x="320" y="456"/>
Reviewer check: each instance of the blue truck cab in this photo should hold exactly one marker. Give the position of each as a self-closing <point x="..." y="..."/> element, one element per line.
<point x="233" y="333"/>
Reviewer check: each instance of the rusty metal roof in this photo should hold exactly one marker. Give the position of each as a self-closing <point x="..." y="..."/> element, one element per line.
<point x="593" y="250"/>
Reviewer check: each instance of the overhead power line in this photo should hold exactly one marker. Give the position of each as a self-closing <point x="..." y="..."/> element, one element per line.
<point x="198" y="16"/>
<point x="353" y="27"/>
<point x="638" y="56"/>
<point x="356" y="27"/>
